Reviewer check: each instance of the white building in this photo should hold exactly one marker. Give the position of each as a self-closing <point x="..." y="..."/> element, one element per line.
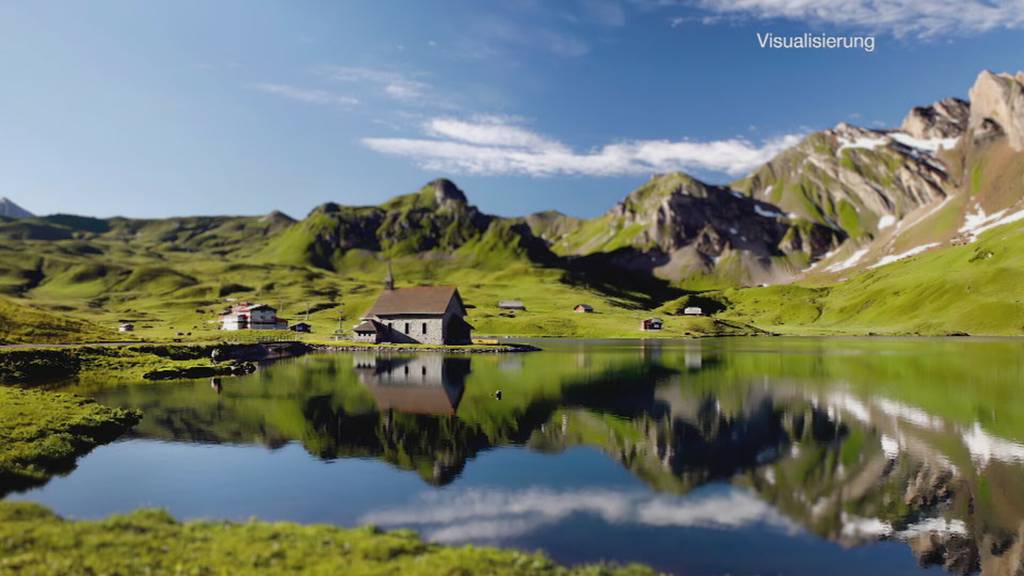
<point x="247" y="316"/>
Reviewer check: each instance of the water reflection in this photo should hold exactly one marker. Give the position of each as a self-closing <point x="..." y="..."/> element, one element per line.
<point x="854" y="441"/>
<point x="494" y="515"/>
<point x="425" y="384"/>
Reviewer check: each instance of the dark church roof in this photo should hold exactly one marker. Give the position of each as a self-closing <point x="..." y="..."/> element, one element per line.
<point x="423" y="300"/>
<point x="369" y="327"/>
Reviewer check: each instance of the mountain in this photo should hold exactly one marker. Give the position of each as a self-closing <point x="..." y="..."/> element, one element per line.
<point x="8" y="209"/>
<point x="951" y="169"/>
<point x="684" y="230"/>
<point x="824" y="219"/>
<point x="944" y="119"/>
<point x="437" y="217"/>
<point x="997" y="108"/>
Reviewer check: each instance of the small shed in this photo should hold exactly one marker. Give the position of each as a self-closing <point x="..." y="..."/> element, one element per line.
<point x="693" y="311"/>
<point x="512" y="305"/>
<point x="126" y="327"/>
<point x="371" y="331"/>
<point x="651" y="324"/>
<point x="583" y="309"/>
<point x="301" y="327"/>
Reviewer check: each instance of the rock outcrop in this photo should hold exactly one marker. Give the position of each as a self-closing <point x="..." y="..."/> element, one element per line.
<point x="997" y="107"/>
<point x="851" y="179"/>
<point x="678" y="227"/>
<point x="944" y="119"/>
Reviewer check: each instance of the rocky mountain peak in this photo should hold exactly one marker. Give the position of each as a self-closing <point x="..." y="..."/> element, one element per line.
<point x="446" y="191"/>
<point x="997" y="107"/>
<point x="277" y="216"/>
<point x="11" y="210"/>
<point x="944" y="119"/>
<point x="658" y="190"/>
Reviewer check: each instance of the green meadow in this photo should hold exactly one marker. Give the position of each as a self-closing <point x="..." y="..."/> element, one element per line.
<point x="34" y="540"/>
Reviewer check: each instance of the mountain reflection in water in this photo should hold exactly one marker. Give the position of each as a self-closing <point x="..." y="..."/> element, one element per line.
<point x="916" y="441"/>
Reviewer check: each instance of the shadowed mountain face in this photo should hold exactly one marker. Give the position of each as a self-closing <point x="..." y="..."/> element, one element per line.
<point x="8" y="209"/>
<point x="853" y="441"/>
<point x="677" y="227"/>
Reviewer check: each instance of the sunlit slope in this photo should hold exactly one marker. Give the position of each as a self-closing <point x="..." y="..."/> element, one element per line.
<point x="20" y="324"/>
<point x="976" y="288"/>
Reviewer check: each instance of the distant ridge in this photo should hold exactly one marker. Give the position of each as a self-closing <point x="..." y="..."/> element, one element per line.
<point x="11" y="210"/>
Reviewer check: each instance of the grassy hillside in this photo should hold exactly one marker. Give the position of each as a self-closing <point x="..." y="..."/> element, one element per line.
<point x="79" y="295"/>
<point x="72" y="279"/>
<point x="977" y="288"/>
<point x="22" y="324"/>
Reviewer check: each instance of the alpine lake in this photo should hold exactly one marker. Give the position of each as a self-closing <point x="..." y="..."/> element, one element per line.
<point x="718" y="456"/>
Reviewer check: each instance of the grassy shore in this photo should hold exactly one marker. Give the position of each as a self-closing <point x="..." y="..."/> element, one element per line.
<point x="104" y="365"/>
<point x="96" y="363"/>
<point x="42" y="433"/>
<point x="35" y="541"/>
<point x="477" y="347"/>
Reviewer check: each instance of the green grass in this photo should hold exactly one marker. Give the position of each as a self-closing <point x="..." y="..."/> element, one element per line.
<point x="19" y="323"/>
<point x="172" y="277"/>
<point x="41" y="433"/>
<point x="107" y="365"/>
<point x="977" y="288"/>
<point x="35" y="541"/>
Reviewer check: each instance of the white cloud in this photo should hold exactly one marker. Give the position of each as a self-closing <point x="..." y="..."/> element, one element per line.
<point x="307" y="95"/>
<point x="922" y="18"/>
<point x="393" y="84"/>
<point x="477" y="515"/>
<point x="491" y="145"/>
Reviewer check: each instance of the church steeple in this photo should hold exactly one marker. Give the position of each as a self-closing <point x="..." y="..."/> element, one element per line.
<point x="389" y="280"/>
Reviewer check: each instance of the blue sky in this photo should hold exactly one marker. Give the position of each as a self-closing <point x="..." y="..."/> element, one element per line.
<point x="151" y="109"/>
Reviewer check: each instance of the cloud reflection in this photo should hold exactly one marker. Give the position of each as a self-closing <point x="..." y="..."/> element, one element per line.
<point x="481" y="514"/>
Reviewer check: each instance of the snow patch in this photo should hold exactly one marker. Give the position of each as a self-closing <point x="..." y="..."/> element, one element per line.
<point x="851" y="405"/>
<point x="897" y="257"/>
<point x="933" y="526"/>
<point x="855" y="526"/>
<point x="978" y="222"/>
<point x="823" y="258"/>
<point x="766" y="213"/>
<point x="930" y="145"/>
<point x="977" y="219"/>
<point x="886" y="221"/>
<point x="984" y="447"/>
<point x="914" y="415"/>
<point x="890" y="447"/>
<point x="865" y="142"/>
<point x="849" y="262"/>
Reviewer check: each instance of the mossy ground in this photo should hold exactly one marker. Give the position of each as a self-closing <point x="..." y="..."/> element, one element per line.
<point x="100" y="364"/>
<point x="35" y="541"/>
<point x="41" y="433"/>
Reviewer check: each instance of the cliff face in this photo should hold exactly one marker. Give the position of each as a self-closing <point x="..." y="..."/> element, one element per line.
<point x="997" y="108"/>
<point x="944" y="119"/>
<point x="680" y="228"/>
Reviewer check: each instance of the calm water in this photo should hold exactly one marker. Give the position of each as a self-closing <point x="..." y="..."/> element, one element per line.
<point x="736" y="456"/>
